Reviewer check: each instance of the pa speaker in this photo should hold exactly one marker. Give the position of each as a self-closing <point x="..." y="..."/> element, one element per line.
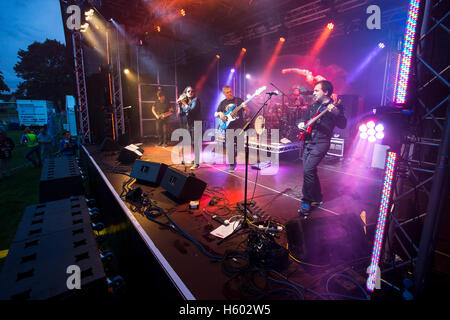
<point x="130" y="153"/>
<point x="147" y="171"/>
<point x="182" y="186"/>
<point x="326" y="240"/>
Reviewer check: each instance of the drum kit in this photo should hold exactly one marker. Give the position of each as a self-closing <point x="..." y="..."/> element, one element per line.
<point x="284" y="113"/>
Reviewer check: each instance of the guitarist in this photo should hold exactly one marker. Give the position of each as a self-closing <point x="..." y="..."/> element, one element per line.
<point x="230" y="99"/>
<point x="189" y="111"/>
<point x="318" y="142"/>
<point x="161" y="111"/>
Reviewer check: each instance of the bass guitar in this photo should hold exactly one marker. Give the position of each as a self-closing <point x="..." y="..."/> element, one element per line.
<point x="232" y="111"/>
<point x="306" y="130"/>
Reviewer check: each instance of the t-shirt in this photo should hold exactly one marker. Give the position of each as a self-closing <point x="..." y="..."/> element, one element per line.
<point x="238" y="123"/>
<point x="161" y="107"/>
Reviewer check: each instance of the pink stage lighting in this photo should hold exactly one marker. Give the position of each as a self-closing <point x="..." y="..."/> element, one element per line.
<point x="371" y="131"/>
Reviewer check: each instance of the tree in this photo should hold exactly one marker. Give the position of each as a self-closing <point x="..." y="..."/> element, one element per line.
<point x="3" y="86"/>
<point x="46" y="72"/>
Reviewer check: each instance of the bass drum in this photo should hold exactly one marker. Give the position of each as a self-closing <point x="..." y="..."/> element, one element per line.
<point x="260" y="125"/>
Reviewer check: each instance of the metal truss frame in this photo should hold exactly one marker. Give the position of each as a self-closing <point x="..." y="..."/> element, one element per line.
<point x="433" y="121"/>
<point x="116" y="85"/>
<point x="83" y="110"/>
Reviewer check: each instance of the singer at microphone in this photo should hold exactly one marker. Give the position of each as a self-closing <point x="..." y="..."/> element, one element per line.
<point x="273" y="93"/>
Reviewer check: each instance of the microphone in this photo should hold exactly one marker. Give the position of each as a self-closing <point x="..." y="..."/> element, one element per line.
<point x="273" y="93"/>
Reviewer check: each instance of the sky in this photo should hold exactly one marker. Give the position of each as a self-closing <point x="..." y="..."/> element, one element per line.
<point x="23" y="22"/>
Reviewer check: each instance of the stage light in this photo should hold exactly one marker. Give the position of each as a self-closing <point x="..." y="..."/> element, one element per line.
<point x="372" y="138"/>
<point x="381" y="45"/>
<point x="248" y="95"/>
<point x="158" y="28"/>
<point x="363" y="135"/>
<point x="407" y="51"/>
<point x="217" y="56"/>
<point x="248" y="76"/>
<point x="243" y="49"/>
<point x="382" y="215"/>
<point x="379" y="135"/>
<point x="183" y="12"/>
<point x="232" y="70"/>
<point x="126" y="71"/>
<point x="379" y="127"/>
<point x="88" y="14"/>
<point x="330" y="26"/>
<point x="282" y="39"/>
<point x="370" y="124"/>
<point x="84" y="27"/>
<point x="363" y="128"/>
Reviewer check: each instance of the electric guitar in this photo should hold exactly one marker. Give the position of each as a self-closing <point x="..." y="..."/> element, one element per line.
<point x="306" y="131"/>
<point x="232" y="110"/>
<point x="165" y="114"/>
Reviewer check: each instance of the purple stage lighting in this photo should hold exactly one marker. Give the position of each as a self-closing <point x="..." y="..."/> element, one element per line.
<point x="381" y="45"/>
<point x="371" y="131"/>
<point x="363" y="128"/>
<point x="379" y="128"/>
<point x="232" y="70"/>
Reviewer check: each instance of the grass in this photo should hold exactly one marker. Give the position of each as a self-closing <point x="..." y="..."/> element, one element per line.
<point x="17" y="192"/>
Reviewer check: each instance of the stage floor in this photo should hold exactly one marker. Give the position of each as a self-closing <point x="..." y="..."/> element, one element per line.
<point x="348" y="188"/>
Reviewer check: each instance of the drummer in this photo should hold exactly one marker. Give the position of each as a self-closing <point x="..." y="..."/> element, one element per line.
<point x="296" y="99"/>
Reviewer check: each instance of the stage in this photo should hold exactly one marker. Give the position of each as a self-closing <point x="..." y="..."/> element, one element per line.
<point x="348" y="188"/>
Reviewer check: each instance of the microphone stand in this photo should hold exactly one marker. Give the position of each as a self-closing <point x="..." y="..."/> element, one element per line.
<point x="244" y="224"/>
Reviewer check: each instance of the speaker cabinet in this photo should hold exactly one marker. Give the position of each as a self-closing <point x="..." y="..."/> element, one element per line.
<point x="326" y="240"/>
<point x="130" y="153"/>
<point x="182" y="186"/>
<point x="147" y="171"/>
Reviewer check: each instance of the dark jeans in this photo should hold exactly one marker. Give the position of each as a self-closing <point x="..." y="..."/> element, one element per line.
<point x="189" y="125"/>
<point x="313" y="153"/>
<point x="162" y="130"/>
<point x="37" y="151"/>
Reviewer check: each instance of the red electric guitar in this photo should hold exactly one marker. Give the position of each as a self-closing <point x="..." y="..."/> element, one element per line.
<point x="306" y="131"/>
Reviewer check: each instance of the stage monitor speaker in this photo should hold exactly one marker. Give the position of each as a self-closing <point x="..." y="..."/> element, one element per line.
<point x="109" y="144"/>
<point x="182" y="186"/>
<point x="129" y="154"/>
<point x="327" y="240"/>
<point x="147" y="171"/>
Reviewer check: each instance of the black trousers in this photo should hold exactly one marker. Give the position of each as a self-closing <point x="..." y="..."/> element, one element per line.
<point x="313" y="153"/>
<point x="162" y="130"/>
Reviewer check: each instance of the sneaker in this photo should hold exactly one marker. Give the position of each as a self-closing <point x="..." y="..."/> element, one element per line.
<point x="305" y="209"/>
<point x="195" y="167"/>
<point x="231" y="169"/>
<point x="316" y="203"/>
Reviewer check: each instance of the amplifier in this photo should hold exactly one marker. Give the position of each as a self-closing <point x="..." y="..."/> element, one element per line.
<point x="130" y="153"/>
<point x="147" y="171"/>
<point x="182" y="186"/>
